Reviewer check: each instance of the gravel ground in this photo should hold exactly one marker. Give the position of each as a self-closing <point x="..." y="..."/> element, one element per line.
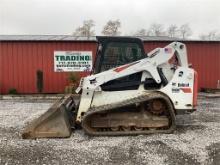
<point x="196" y="140"/>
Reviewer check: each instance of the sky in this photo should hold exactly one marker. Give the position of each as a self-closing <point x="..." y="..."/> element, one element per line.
<point x="62" y="17"/>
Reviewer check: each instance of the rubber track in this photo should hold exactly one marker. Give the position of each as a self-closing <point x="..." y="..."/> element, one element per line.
<point x="143" y="98"/>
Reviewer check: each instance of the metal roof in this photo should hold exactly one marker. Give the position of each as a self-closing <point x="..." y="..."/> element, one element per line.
<point x="76" y="38"/>
<point x="45" y="38"/>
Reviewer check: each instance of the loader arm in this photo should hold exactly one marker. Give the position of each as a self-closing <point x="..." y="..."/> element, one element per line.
<point x="181" y="53"/>
<point x="149" y="64"/>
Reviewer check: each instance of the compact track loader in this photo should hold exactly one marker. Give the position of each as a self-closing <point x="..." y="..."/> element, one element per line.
<point x="129" y="92"/>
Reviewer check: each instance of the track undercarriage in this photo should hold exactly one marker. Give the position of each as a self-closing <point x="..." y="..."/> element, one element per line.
<point x="148" y="113"/>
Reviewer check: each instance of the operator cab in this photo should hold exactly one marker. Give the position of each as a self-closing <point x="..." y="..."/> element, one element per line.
<point x="116" y="51"/>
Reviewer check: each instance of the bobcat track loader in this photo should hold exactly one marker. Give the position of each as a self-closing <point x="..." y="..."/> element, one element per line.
<point x="128" y="93"/>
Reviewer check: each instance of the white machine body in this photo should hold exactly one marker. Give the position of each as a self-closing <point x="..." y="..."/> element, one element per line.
<point x="180" y="87"/>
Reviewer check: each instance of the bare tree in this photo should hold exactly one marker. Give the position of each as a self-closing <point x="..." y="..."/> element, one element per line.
<point x="141" y="32"/>
<point x="212" y="35"/>
<point x="172" y="31"/>
<point x="203" y="37"/>
<point x="112" y="28"/>
<point x="185" y="31"/>
<point x="86" y="30"/>
<point x="149" y="33"/>
<point x="156" y="30"/>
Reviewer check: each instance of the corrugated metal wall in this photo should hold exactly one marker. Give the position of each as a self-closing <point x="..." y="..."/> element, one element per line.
<point x="19" y="62"/>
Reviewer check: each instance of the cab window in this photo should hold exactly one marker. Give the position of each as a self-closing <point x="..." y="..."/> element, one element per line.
<point x="117" y="54"/>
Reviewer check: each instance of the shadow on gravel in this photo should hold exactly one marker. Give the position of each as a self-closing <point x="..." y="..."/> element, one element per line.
<point x="9" y="133"/>
<point x="182" y="129"/>
<point x="208" y="117"/>
<point x="28" y="155"/>
<point x="172" y="155"/>
<point x="118" y="154"/>
<point x="214" y="153"/>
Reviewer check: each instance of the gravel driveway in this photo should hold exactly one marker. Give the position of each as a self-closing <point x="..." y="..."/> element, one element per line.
<point x="196" y="140"/>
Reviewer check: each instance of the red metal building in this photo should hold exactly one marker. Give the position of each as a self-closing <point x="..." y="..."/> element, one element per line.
<point x="22" y="56"/>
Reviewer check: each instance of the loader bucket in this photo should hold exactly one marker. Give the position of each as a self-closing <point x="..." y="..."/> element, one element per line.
<point x="57" y="121"/>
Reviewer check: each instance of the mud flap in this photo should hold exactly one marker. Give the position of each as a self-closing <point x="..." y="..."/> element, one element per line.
<point x="54" y="123"/>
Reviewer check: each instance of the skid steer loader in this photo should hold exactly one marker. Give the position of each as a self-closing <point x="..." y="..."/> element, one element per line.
<point x="129" y="92"/>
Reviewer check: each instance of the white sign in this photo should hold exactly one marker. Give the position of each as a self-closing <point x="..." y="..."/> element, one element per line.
<point x="71" y="61"/>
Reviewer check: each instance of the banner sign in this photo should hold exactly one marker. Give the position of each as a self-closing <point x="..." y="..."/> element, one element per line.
<point x="72" y="61"/>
